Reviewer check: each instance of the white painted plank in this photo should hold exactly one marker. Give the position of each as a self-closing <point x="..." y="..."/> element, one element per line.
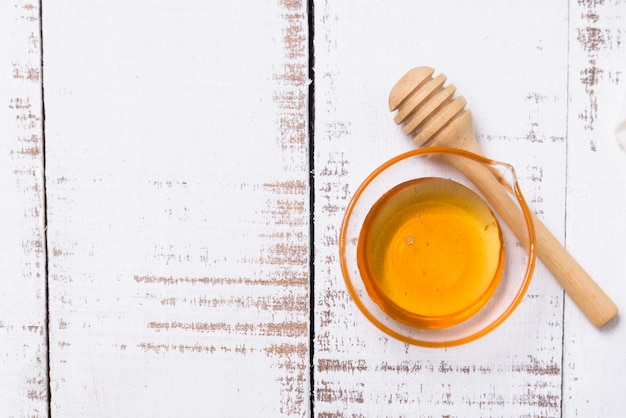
<point x="509" y="59"/>
<point x="23" y="349"/>
<point x="594" y="360"/>
<point x="178" y="208"/>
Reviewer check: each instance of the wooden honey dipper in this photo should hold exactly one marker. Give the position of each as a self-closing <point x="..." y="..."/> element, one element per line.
<point x="431" y="113"/>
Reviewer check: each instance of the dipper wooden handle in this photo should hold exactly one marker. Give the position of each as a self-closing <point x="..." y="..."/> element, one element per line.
<point x="429" y="112"/>
<point x="584" y="291"/>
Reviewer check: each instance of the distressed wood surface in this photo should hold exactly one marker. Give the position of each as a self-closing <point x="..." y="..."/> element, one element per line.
<point x="23" y="350"/>
<point x="178" y="219"/>
<point x="511" y="60"/>
<point x="177" y="199"/>
<point x="594" y="361"/>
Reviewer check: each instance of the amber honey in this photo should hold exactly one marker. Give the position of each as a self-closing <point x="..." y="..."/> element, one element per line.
<point x="430" y="253"/>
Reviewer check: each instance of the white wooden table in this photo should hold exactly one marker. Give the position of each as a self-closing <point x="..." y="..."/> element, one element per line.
<point x="173" y="176"/>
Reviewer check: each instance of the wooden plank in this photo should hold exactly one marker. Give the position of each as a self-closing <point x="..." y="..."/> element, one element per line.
<point x="509" y="59"/>
<point x="23" y="347"/>
<point x="178" y="208"/>
<point x="594" y="361"/>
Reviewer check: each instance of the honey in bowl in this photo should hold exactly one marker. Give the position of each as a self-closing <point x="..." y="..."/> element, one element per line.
<point x="430" y="253"/>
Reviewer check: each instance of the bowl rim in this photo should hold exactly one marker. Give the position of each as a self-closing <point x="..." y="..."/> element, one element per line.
<point x="530" y="265"/>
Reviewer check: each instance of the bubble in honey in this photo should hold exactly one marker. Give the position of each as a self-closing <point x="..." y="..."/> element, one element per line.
<point x="431" y="253"/>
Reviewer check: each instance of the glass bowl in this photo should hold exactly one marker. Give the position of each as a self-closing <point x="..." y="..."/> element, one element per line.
<point x="437" y="246"/>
